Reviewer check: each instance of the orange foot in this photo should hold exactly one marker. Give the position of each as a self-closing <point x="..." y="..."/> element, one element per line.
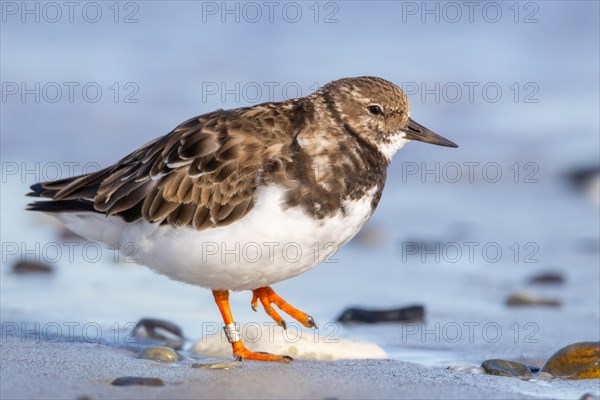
<point x="240" y="352"/>
<point x="267" y="296"/>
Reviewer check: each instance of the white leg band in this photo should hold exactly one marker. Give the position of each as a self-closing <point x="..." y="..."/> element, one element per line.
<point x="232" y="331"/>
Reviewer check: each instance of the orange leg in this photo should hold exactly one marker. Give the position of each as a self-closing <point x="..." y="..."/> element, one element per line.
<point x="267" y="296"/>
<point x="239" y="350"/>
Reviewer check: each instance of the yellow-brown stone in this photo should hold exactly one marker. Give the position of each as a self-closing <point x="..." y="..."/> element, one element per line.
<point x="576" y="361"/>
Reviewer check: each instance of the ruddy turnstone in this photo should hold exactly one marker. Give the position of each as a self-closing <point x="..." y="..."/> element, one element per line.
<point x="241" y="199"/>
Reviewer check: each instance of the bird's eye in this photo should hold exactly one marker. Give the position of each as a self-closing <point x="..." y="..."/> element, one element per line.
<point x="375" y="109"/>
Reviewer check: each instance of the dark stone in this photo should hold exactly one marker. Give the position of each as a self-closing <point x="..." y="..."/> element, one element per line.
<point x="29" y="267"/>
<point x="414" y="313"/>
<point x="506" y="368"/>
<point x="159" y="329"/>
<point x="137" y="381"/>
<point x="581" y="177"/>
<point x="576" y="361"/>
<point x="549" y="277"/>
<point x="589" y="396"/>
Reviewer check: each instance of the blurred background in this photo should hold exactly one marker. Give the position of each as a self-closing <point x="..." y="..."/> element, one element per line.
<point x="459" y="231"/>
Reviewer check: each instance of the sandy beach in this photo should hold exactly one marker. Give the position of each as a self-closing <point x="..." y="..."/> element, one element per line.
<point x="76" y="370"/>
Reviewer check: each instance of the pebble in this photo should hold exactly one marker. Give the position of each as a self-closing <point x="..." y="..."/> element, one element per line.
<point x="589" y="396"/>
<point x="370" y="236"/>
<point x="159" y="329"/>
<point x="468" y="369"/>
<point x="29" y="267"/>
<point x="137" y="380"/>
<point x="414" y="313"/>
<point x="66" y="234"/>
<point x="218" y="365"/>
<point x="576" y="361"/>
<point x="520" y="299"/>
<point x="506" y="368"/>
<point x="583" y="176"/>
<point x="547" y="278"/>
<point x="159" y="353"/>
<point x="543" y="376"/>
<point x="587" y="181"/>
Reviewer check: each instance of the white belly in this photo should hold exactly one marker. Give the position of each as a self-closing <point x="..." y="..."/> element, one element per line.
<point x="268" y="245"/>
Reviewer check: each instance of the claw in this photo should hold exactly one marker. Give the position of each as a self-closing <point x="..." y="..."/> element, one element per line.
<point x="241" y="353"/>
<point x="254" y="302"/>
<point x="267" y="296"/>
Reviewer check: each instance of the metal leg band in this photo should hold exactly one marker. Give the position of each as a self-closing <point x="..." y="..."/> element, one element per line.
<point x="232" y="331"/>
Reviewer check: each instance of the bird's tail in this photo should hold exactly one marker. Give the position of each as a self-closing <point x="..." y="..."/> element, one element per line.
<point x="73" y="194"/>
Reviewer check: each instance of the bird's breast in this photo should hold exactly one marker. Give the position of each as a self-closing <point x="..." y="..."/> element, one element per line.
<point x="273" y="242"/>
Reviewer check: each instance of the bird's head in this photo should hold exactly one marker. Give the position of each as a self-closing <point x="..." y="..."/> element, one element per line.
<point x="376" y="111"/>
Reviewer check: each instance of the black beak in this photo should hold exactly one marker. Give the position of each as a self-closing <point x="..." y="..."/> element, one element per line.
<point x="416" y="131"/>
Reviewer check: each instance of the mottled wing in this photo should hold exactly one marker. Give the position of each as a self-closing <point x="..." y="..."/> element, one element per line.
<point x="202" y="174"/>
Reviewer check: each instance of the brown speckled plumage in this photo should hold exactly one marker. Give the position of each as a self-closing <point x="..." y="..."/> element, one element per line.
<point x="324" y="148"/>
